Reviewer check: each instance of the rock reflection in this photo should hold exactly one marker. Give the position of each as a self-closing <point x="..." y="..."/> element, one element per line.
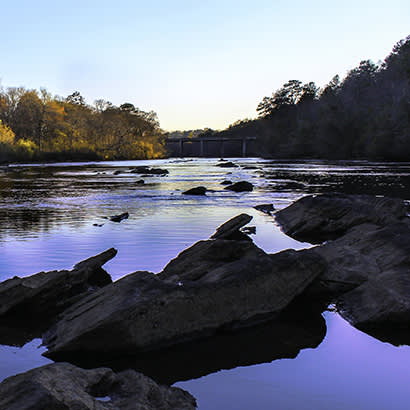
<point x="281" y="338"/>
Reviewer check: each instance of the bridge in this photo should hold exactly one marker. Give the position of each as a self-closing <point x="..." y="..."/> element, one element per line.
<point x="209" y="146"/>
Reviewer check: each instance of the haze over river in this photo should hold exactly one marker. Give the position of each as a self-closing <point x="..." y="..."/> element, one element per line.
<point x="55" y="215"/>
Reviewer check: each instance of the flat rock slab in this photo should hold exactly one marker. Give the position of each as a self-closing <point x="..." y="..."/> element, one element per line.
<point x="319" y="218"/>
<point x="143" y="311"/>
<point x="64" y="386"/>
<point x="48" y="293"/>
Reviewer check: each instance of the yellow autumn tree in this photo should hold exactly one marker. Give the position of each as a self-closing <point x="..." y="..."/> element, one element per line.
<point x="6" y="134"/>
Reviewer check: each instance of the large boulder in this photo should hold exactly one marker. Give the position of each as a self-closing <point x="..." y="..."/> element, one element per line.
<point x="215" y="284"/>
<point x="319" y="218"/>
<point x="62" y="386"/>
<point x="368" y="263"/>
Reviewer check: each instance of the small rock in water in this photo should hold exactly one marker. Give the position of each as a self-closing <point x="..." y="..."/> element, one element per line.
<point x="228" y="164"/>
<point x="240" y="187"/>
<point x="226" y="182"/>
<point x="200" y="190"/>
<point x="120" y="217"/>
<point x="265" y="208"/>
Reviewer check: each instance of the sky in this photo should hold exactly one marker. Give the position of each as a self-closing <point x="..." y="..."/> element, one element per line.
<point x="196" y="64"/>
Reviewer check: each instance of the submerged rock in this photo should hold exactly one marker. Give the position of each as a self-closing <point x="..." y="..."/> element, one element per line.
<point x="241" y="186"/>
<point x="199" y="190"/>
<point x="64" y="386"/>
<point x="216" y="284"/>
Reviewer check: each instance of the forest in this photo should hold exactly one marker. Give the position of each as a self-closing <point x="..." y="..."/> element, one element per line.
<point x="35" y="126"/>
<point x="366" y="115"/>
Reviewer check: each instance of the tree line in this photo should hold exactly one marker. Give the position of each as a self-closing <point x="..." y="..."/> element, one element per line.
<point x="34" y="125"/>
<point x="365" y="115"/>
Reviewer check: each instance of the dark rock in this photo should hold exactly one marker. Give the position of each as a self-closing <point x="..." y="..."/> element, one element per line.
<point x="117" y="172"/>
<point x="215" y="284"/>
<point x="318" y="218"/>
<point x="250" y="167"/>
<point x="251" y="230"/>
<point x="368" y="264"/>
<point x="301" y="327"/>
<point x="265" y="208"/>
<point x="226" y="182"/>
<point x="149" y="171"/>
<point x="120" y="217"/>
<point x="200" y="190"/>
<point x="34" y="301"/>
<point x="99" y="225"/>
<point x="230" y="229"/>
<point x="241" y="186"/>
<point x="228" y="164"/>
<point x="64" y="386"/>
<point x="375" y="262"/>
<point x="140" y="182"/>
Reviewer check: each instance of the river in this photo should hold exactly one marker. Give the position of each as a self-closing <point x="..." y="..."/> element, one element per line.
<point x="54" y="215"/>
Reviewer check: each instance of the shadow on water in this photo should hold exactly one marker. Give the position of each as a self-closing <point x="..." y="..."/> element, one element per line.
<point x="281" y="338"/>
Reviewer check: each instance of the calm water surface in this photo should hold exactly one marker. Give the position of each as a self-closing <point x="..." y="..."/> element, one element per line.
<point x="47" y="221"/>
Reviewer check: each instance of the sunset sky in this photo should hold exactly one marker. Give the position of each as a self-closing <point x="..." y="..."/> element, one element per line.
<point x="197" y="64"/>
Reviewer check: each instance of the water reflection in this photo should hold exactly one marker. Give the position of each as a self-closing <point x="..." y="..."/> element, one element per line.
<point x="298" y="328"/>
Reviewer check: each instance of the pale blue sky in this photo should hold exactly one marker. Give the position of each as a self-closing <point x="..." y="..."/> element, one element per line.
<point x="197" y="64"/>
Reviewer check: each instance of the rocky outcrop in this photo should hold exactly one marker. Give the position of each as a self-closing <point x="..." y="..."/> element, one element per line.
<point x="64" y="386"/>
<point x="199" y="190"/>
<point x="28" y="305"/>
<point x="241" y="186"/>
<point x="215" y="284"/>
<point x="368" y="262"/>
<point x="318" y="218"/>
<point x="48" y="293"/>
